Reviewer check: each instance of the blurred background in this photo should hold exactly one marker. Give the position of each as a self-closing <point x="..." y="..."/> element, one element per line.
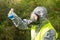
<point x="23" y="9"/>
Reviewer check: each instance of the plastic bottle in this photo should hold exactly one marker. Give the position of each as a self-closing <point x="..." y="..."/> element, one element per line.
<point x="16" y="20"/>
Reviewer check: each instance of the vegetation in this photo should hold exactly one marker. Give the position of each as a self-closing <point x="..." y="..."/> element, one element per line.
<point x="23" y="9"/>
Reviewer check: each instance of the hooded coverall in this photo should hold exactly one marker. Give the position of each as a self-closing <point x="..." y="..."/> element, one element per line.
<point x="40" y="30"/>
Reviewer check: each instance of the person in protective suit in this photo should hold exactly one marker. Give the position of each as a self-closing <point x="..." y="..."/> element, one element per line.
<point x="41" y="29"/>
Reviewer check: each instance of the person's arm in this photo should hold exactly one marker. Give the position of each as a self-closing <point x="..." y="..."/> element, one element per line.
<point x="50" y="35"/>
<point x="26" y="21"/>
